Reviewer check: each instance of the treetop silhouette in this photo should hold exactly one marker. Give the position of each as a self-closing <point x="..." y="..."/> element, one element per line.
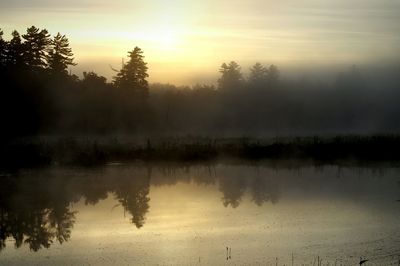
<point x="60" y="55"/>
<point x="38" y="96"/>
<point x="258" y="74"/>
<point x="133" y="75"/>
<point x="231" y="76"/>
<point x="37" y="46"/>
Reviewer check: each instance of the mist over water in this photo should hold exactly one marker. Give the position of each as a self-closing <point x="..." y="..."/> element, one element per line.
<point x="187" y="215"/>
<point x="200" y="132"/>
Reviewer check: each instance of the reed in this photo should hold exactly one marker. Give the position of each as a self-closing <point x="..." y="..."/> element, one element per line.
<point x="353" y="149"/>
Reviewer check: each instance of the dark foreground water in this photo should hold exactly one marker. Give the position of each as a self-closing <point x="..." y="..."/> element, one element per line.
<point x="142" y="215"/>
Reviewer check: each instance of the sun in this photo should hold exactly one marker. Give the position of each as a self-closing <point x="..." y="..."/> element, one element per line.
<point x="164" y="38"/>
<point x="168" y="38"/>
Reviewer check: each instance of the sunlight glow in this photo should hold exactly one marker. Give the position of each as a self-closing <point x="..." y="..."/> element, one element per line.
<point x="192" y="36"/>
<point x="168" y="38"/>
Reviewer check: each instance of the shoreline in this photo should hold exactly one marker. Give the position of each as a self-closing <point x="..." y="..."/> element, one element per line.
<point x="340" y="150"/>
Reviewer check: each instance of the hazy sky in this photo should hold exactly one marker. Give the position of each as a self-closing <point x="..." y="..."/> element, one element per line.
<point x="186" y="41"/>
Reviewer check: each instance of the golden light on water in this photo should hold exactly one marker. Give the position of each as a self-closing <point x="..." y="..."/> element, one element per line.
<point x="190" y="216"/>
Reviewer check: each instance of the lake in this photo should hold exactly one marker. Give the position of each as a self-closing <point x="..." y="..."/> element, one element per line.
<point x="216" y="214"/>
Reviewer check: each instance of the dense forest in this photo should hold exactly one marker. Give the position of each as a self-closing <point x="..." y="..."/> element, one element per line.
<point x="40" y="97"/>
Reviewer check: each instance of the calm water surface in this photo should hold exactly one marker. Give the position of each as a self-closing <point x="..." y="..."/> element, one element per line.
<point x="141" y="215"/>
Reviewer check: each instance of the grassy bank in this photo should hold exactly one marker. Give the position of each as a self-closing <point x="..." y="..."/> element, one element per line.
<point x="78" y="151"/>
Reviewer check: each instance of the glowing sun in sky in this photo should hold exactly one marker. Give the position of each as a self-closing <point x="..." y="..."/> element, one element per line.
<point x="180" y="37"/>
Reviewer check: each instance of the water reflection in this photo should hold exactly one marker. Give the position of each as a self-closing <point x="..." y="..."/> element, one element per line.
<point x="34" y="214"/>
<point x="36" y="206"/>
<point x="264" y="190"/>
<point x="133" y="194"/>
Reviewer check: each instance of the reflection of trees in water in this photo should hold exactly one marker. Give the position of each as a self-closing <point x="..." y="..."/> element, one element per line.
<point x="232" y="185"/>
<point x="38" y="226"/>
<point x="264" y="190"/>
<point x="133" y="196"/>
<point x="34" y="212"/>
<point x="206" y="178"/>
<point x="35" y="208"/>
<point x="233" y="189"/>
<point x="97" y="190"/>
<point x="62" y="220"/>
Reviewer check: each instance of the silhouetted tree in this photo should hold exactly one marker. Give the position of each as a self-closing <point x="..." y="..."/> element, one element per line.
<point x="92" y="80"/>
<point x="258" y="74"/>
<point x="273" y="75"/>
<point x="2" y="50"/>
<point x="36" y="102"/>
<point x="231" y="76"/>
<point x="99" y="104"/>
<point x="133" y="75"/>
<point x="15" y="51"/>
<point x="36" y="47"/>
<point x="60" y="55"/>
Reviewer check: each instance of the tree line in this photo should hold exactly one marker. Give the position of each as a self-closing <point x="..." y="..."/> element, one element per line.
<point x="36" y="51"/>
<point x="39" y="96"/>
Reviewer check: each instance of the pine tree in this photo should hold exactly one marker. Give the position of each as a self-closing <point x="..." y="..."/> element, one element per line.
<point x="133" y="75"/>
<point x="2" y="50"/>
<point x="60" y="55"/>
<point x="15" y="51"/>
<point x="258" y="74"/>
<point x="36" y="44"/>
<point x="273" y="75"/>
<point x="231" y="76"/>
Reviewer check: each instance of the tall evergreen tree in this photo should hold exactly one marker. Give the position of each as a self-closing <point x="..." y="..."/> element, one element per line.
<point x="231" y="76"/>
<point x="133" y="75"/>
<point x="36" y="44"/>
<point x="2" y="50"/>
<point x="273" y="75"/>
<point x="258" y="74"/>
<point x="60" y="55"/>
<point x="15" y="51"/>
